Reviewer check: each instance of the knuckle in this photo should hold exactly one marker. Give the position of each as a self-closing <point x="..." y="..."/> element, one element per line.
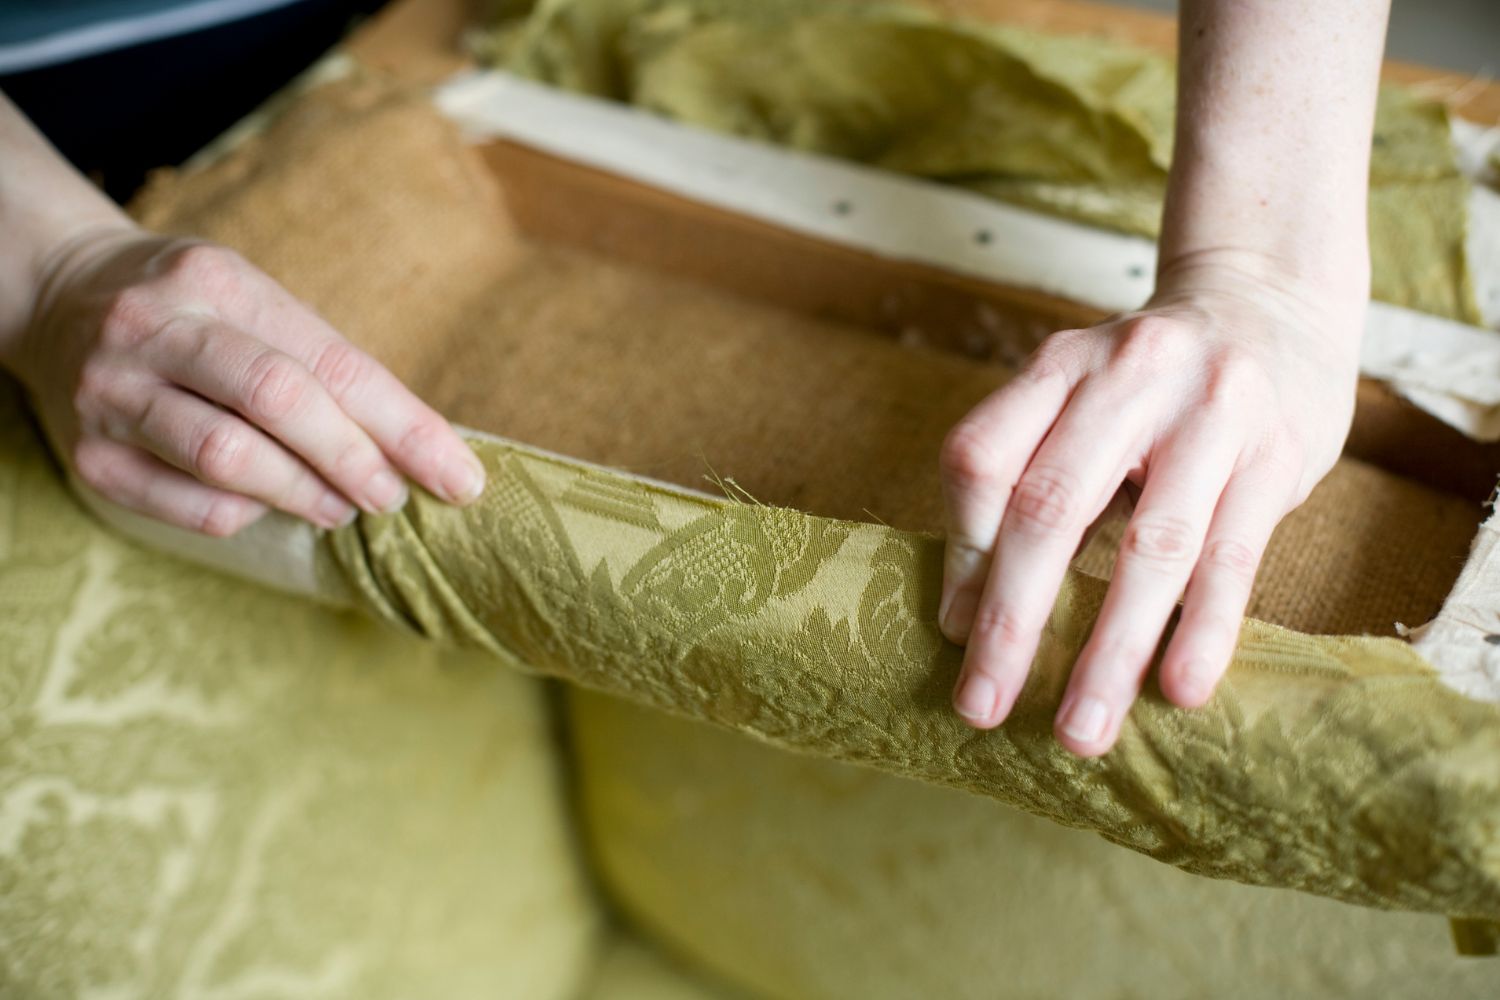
<point x="224" y="516"/>
<point x="149" y="417"/>
<point x="997" y="625"/>
<point x="1286" y="460"/>
<point x="1229" y="555"/>
<point x="1119" y="660"/>
<point x="1041" y="368"/>
<point x="95" y="466"/>
<point x="1044" y="501"/>
<point x="1161" y="540"/>
<point x="303" y="496"/>
<point x="1154" y="342"/>
<point x="340" y="368"/>
<point x="1063" y="340"/>
<point x="966" y="459"/>
<point x="128" y="316"/>
<point x="1233" y="381"/>
<point x="92" y="387"/>
<point x="422" y="441"/>
<point x="1054" y="358"/>
<point x="205" y="265"/>
<point x="200" y="343"/>
<point x="275" y="387"/>
<point x="355" y="463"/>
<point x="1280" y="466"/>
<point x="221" y="455"/>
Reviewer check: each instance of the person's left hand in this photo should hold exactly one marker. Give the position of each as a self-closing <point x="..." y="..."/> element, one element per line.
<point x="1225" y="400"/>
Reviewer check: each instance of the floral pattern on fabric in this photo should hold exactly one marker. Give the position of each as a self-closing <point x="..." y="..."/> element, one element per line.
<point x="1336" y="765"/>
<point x="208" y="789"/>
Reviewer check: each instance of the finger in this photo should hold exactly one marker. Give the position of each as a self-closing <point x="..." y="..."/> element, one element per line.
<point x="146" y="484"/>
<point x="1121" y="505"/>
<point x="271" y="390"/>
<point x="415" y="437"/>
<point x="1160" y="546"/>
<point x="1067" y="484"/>
<point x="222" y="450"/>
<point x="981" y="460"/>
<point x="1220" y="588"/>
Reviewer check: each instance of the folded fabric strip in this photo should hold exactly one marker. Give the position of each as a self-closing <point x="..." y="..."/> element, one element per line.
<point x="1336" y="765"/>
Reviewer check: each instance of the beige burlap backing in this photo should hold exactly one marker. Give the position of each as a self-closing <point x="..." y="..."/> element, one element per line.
<point x="367" y="206"/>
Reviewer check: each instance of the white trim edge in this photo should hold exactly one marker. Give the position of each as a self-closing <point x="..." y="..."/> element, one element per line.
<point x="1424" y="357"/>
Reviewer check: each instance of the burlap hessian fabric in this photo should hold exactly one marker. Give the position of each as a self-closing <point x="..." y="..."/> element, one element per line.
<point x="366" y="205"/>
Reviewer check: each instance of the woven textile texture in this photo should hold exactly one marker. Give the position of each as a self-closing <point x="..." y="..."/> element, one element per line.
<point x="1081" y="127"/>
<point x="797" y="876"/>
<point x="368" y="207"/>
<point x="211" y="789"/>
<point x="1337" y="765"/>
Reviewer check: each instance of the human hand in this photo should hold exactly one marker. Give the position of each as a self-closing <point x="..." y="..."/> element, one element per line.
<point x="180" y="381"/>
<point x="1225" y="399"/>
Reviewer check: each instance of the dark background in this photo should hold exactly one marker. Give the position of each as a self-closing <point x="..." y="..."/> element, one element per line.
<point x="119" y="114"/>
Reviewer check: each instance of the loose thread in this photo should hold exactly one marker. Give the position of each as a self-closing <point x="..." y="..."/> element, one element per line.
<point x="733" y="491"/>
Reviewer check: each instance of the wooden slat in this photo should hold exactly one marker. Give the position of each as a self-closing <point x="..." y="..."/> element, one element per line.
<point x="417" y="40"/>
<point x="558" y="200"/>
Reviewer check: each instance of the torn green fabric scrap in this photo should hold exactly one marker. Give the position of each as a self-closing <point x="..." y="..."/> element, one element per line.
<point x="1080" y="127"/>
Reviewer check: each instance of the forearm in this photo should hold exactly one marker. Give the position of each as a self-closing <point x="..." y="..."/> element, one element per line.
<point x="44" y="204"/>
<point x="1275" y="113"/>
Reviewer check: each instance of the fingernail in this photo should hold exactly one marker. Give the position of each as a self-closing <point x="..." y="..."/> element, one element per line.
<point x="976" y="699"/>
<point x="1086" y="720"/>
<point x="386" y="492"/>
<point x="961" y="562"/>
<point x="464" y="480"/>
<point x="958" y="617"/>
<point x="334" y="511"/>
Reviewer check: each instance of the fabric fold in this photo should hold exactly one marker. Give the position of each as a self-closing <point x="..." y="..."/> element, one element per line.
<point x="1075" y="126"/>
<point x="1335" y="765"/>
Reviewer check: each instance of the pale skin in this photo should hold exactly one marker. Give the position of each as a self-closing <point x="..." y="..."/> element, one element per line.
<point x="180" y="381"/>
<point x="1223" y="401"/>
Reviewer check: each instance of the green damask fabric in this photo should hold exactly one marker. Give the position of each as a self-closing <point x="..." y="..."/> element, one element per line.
<point x="792" y="875"/>
<point x="210" y="789"/>
<point x="1335" y="765"/>
<point x="1080" y="127"/>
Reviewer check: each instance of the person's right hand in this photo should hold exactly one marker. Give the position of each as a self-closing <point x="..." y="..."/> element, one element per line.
<point x="182" y="382"/>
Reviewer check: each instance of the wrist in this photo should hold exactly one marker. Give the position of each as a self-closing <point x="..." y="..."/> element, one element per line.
<point x="44" y="206"/>
<point x="1289" y="239"/>
<point x="47" y="255"/>
<point x="1346" y="278"/>
<point x="1229" y="279"/>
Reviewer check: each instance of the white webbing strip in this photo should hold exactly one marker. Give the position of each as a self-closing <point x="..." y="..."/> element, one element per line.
<point x="1448" y="368"/>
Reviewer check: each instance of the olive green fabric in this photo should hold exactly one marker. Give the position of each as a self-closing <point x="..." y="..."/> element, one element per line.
<point x="1476" y="937"/>
<point x="209" y="789"/>
<point x="793" y="875"/>
<point x="631" y="969"/>
<point x="1081" y="127"/>
<point x="1336" y="765"/>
